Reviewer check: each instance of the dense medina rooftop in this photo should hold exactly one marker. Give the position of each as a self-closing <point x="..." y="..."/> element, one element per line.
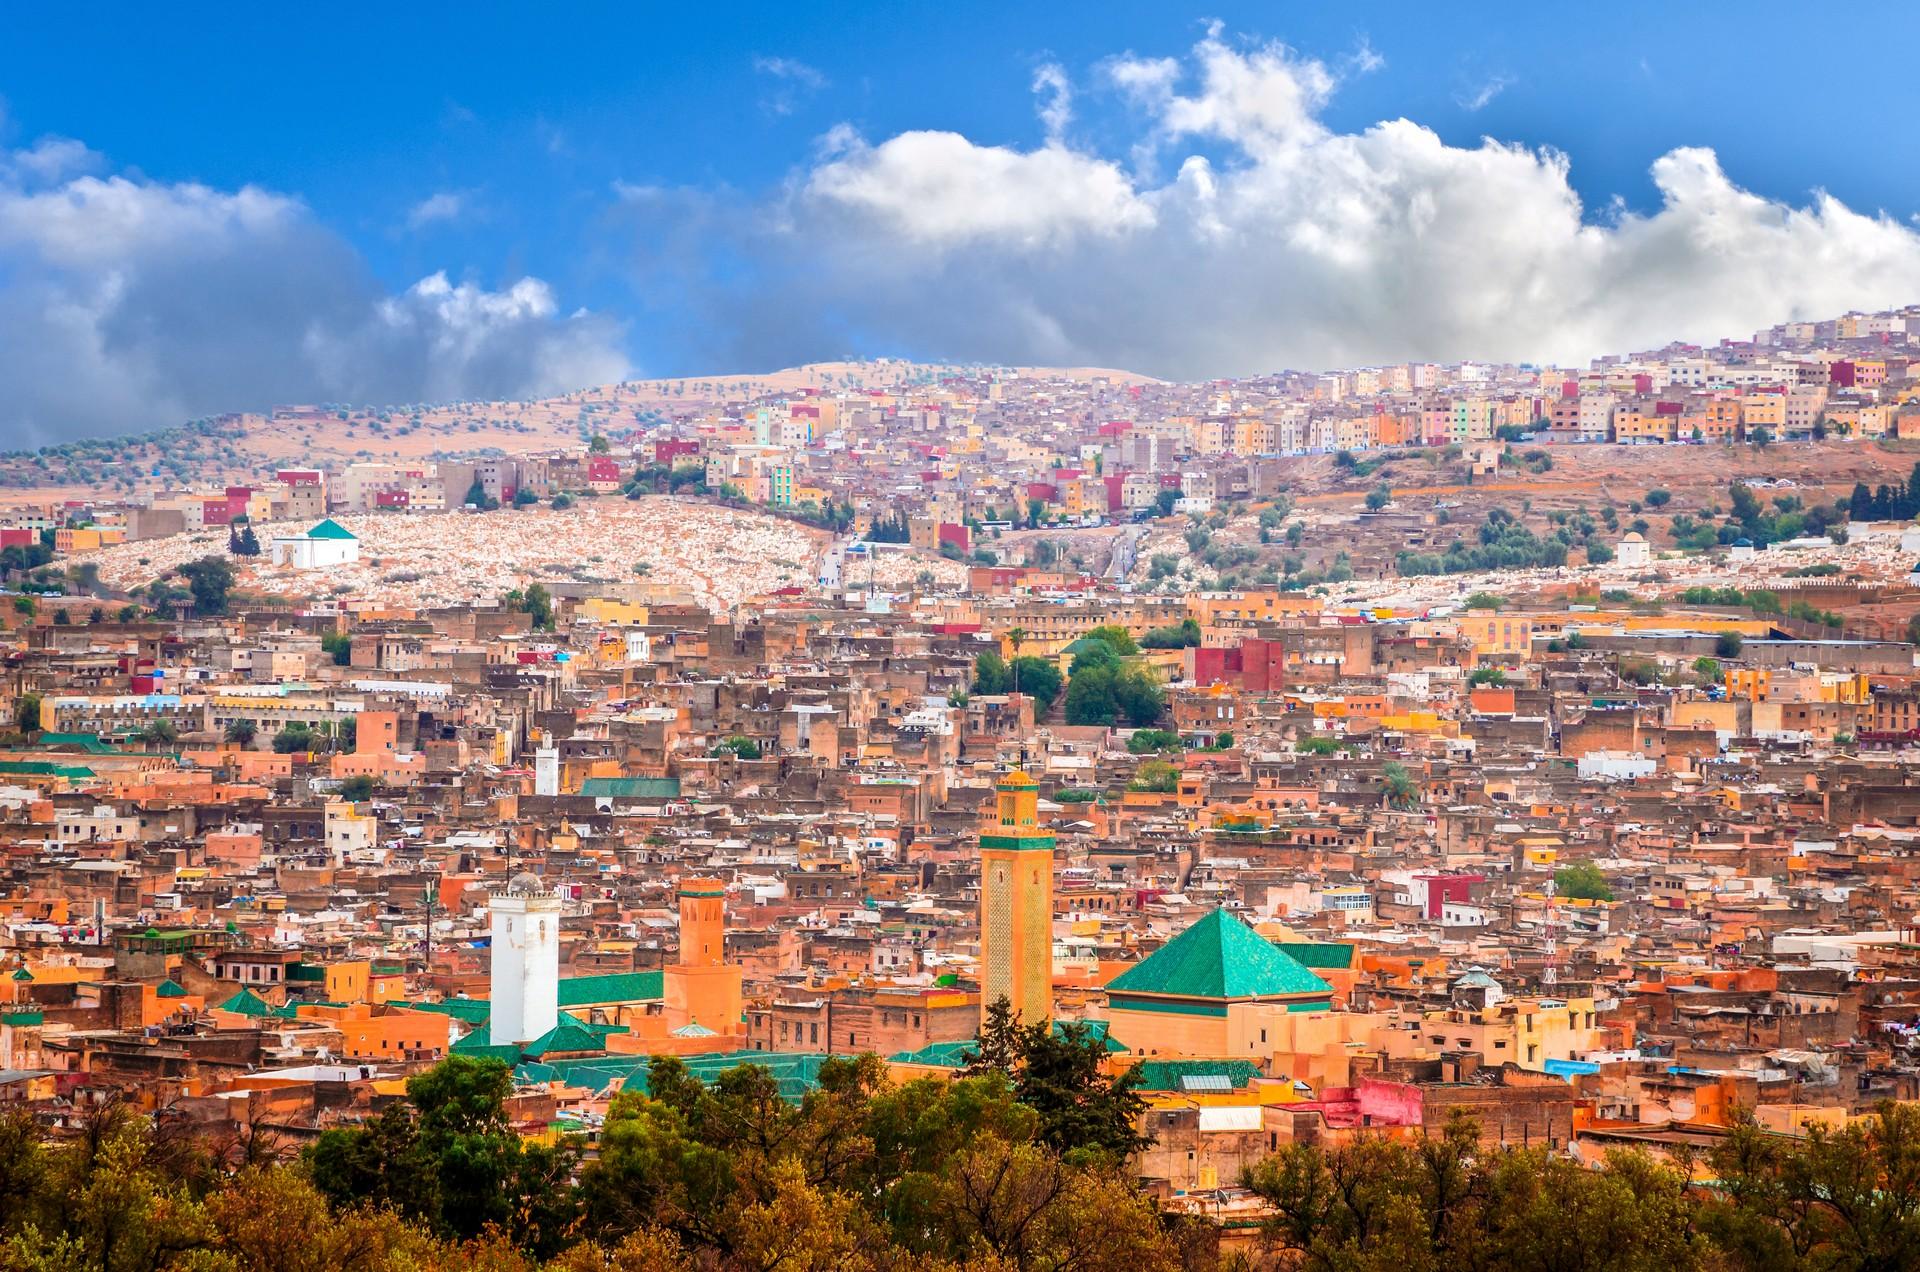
<point x="1249" y="771"/>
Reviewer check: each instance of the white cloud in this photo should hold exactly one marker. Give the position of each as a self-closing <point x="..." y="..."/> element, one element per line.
<point x="1055" y="91"/>
<point x="130" y="304"/>
<point x="1365" y="59"/>
<point x="938" y="191"/>
<point x="443" y="205"/>
<point x="1482" y="94"/>
<point x="1276" y="241"/>
<point x="791" y="82"/>
<point x="49" y="159"/>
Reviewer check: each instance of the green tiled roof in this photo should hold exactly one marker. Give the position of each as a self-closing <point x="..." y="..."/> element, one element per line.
<point x="1165" y="1075"/>
<point x="470" y="1011"/>
<point x="567" y="1036"/>
<point x="795" y="1073"/>
<point x="1331" y="955"/>
<point x="88" y="742"/>
<point x="329" y="529"/>
<point x="246" y="1003"/>
<point x="1219" y="957"/>
<point x="632" y="787"/>
<point x="945" y="1055"/>
<point x="476" y="1045"/>
<point x="955" y="1055"/>
<point x="169" y="988"/>
<point x="611" y="987"/>
<point x="42" y="768"/>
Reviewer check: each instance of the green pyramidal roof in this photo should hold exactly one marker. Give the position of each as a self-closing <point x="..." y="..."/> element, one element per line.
<point x="1219" y="957"/>
<point x="330" y="529"/>
<point x="246" y="1003"/>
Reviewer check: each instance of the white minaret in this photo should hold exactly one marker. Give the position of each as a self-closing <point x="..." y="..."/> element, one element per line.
<point x="546" y="770"/>
<point x="526" y="962"/>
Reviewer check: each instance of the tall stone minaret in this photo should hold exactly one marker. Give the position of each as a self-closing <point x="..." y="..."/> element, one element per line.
<point x="1016" y="904"/>
<point x="526" y="962"/>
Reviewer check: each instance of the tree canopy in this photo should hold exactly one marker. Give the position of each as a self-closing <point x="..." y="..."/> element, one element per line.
<point x="1020" y="1162"/>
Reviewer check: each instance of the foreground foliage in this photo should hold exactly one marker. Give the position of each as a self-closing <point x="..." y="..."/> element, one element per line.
<point x="1014" y="1166"/>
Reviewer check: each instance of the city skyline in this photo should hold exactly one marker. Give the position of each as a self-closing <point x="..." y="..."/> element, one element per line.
<point x="1174" y="195"/>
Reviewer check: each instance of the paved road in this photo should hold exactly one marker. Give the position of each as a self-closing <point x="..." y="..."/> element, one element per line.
<point x="1126" y="547"/>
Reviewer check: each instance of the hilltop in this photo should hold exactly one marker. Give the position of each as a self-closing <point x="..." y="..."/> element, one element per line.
<point x="244" y="446"/>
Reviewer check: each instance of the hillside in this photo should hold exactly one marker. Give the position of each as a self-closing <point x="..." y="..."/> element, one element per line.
<point x="246" y="446"/>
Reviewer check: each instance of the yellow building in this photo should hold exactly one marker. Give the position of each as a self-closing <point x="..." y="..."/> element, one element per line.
<point x="1498" y="635"/>
<point x="1016" y="905"/>
<point x="612" y="613"/>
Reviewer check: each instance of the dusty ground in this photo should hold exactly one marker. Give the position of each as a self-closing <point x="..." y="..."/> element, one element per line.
<point x="1328" y="507"/>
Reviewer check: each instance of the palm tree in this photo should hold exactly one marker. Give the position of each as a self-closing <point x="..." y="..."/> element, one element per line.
<point x="242" y="732"/>
<point x="160" y="731"/>
<point x="1397" y="785"/>
<point x="1016" y="636"/>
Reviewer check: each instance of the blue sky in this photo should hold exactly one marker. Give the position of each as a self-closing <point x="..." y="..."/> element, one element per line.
<point x="492" y="143"/>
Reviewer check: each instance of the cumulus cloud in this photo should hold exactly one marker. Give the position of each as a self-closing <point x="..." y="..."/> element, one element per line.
<point x="1273" y="240"/>
<point x="129" y="304"/>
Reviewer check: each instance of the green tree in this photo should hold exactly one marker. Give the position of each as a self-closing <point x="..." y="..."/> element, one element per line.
<point x="535" y="602"/>
<point x="1116" y="636"/>
<point x="451" y="1158"/>
<point x="26" y="713"/>
<point x="1147" y="741"/>
<point x="1846" y="1198"/>
<point x="744" y="748"/>
<point x="1091" y="696"/>
<point x="1092" y="655"/>
<point x="990" y="674"/>
<point x="295" y="737"/>
<point x="1140" y="701"/>
<point x="1158" y="777"/>
<point x="1039" y="679"/>
<point x="338" y="646"/>
<point x="358" y="788"/>
<point x="1492" y="676"/>
<point x="1728" y="644"/>
<point x="1183" y="635"/>
<point x="1397" y="787"/>
<point x="242" y="732"/>
<point x="1582" y="880"/>
<point x="1058" y="1071"/>
<point x="210" y="579"/>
